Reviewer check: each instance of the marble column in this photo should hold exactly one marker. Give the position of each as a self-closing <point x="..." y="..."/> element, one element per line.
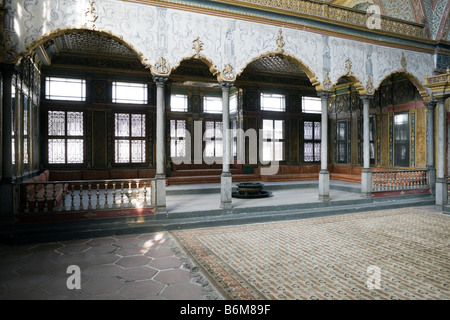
<point x="366" y="174"/>
<point x="441" y="181"/>
<point x="430" y="144"/>
<point x="324" y="175"/>
<point x="160" y="177"/>
<point x="7" y="194"/>
<point x="226" y="179"/>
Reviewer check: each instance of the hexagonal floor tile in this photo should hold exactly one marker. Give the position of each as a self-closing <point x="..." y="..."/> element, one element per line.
<point x="141" y="289"/>
<point x="173" y="276"/>
<point x="133" y="261"/>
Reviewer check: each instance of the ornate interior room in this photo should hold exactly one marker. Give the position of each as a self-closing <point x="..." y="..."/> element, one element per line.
<point x="108" y="104"/>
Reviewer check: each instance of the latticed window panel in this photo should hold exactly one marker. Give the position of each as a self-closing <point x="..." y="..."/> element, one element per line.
<point x="56" y="123"/>
<point x="177" y="136"/>
<point x="122" y="125"/>
<point x="122" y="151"/>
<point x="311" y="145"/>
<point x="74" y="123"/>
<point x="214" y="135"/>
<point x="130" y="134"/>
<point x="65" y="137"/>
<point x="273" y="140"/>
<point x="137" y="151"/>
<point x="75" y="149"/>
<point x="56" y="151"/>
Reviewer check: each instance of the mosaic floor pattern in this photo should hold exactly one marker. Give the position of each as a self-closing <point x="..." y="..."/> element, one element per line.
<point x="397" y="254"/>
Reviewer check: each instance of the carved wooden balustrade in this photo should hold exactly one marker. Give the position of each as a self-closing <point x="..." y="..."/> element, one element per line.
<point x="396" y="180"/>
<point x="68" y="196"/>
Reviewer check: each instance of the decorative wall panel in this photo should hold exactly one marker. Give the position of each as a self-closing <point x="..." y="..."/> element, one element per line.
<point x="155" y="32"/>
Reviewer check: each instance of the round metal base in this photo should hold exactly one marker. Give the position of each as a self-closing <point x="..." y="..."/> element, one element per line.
<point x="261" y="194"/>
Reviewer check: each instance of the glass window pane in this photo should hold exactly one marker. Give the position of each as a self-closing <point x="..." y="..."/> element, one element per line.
<point x="267" y="129"/>
<point x="317" y="130"/>
<point x="311" y="105"/>
<point x="56" y="151"/>
<point x="212" y="104"/>
<point x="74" y="123"/>
<point x="179" y="103"/>
<point x="279" y="151"/>
<point x="218" y="148"/>
<point x="273" y="102"/>
<point x="181" y="128"/>
<point x="56" y="123"/>
<point x="308" y="152"/>
<point x="317" y="151"/>
<point x="122" y="125"/>
<point x="308" y="130"/>
<point x="65" y="89"/>
<point x="267" y="151"/>
<point x="137" y="151"/>
<point x="122" y="154"/>
<point x="278" y="129"/>
<point x="75" y="151"/>
<point x="209" y="129"/>
<point x="181" y="148"/>
<point x="125" y="92"/>
<point x="233" y="103"/>
<point x="218" y="131"/>
<point x="209" y="149"/>
<point x="138" y="125"/>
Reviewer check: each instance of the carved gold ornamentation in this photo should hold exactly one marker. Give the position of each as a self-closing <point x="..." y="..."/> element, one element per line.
<point x="161" y="67"/>
<point x="403" y="62"/>
<point x="227" y="74"/>
<point x="91" y="15"/>
<point x="198" y="46"/>
<point x="369" y="88"/>
<point x="327" y="85"/>
<point x="280" y="41"/>
<point x="348" y="66"/>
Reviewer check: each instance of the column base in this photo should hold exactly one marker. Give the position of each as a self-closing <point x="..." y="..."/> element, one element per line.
<point x="324" y="185"/>
<point x="441" y="192"/>
<point x="225" y="191"/>
<point x="366" y="183"/>
<point x="160" y="194"/>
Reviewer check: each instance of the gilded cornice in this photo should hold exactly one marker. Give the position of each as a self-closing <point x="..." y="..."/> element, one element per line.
<point x="314" y="16"/>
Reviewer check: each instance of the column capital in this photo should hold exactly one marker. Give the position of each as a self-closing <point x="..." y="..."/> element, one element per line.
<point x="441" y="99"/>
<point x="366" y="97"/>
<point x="226" y="85"/>
<point x="324" y="94"/>
<point x="431" y="105"/>
<point x="160" y="80"/>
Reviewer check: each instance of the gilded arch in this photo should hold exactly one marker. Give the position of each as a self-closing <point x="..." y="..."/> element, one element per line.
<point x="62" y="31"/>
<point x="310" y="74"/>
<point x="423" y="91"/>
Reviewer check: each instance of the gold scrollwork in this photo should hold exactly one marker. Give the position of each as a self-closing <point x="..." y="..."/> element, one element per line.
<point x="280" y="41"/>
<point x="197" y="46"/>
<point x="227" y="74"/>
<point x="369" y="87"/>
<point x="327" y="85"/>
<point x="161" y="67"/>
<point x="91" y="15"/>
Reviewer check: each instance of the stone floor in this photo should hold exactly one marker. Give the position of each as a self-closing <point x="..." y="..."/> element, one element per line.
<point x="142" y="266"/>
<point x="138" y="266"/>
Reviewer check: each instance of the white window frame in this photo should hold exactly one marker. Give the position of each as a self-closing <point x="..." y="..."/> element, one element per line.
<point x="138" y="95"/>
<point x="306" y="105"/>
<point x="56" y="87"/>
<point x="273" y="102"/>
